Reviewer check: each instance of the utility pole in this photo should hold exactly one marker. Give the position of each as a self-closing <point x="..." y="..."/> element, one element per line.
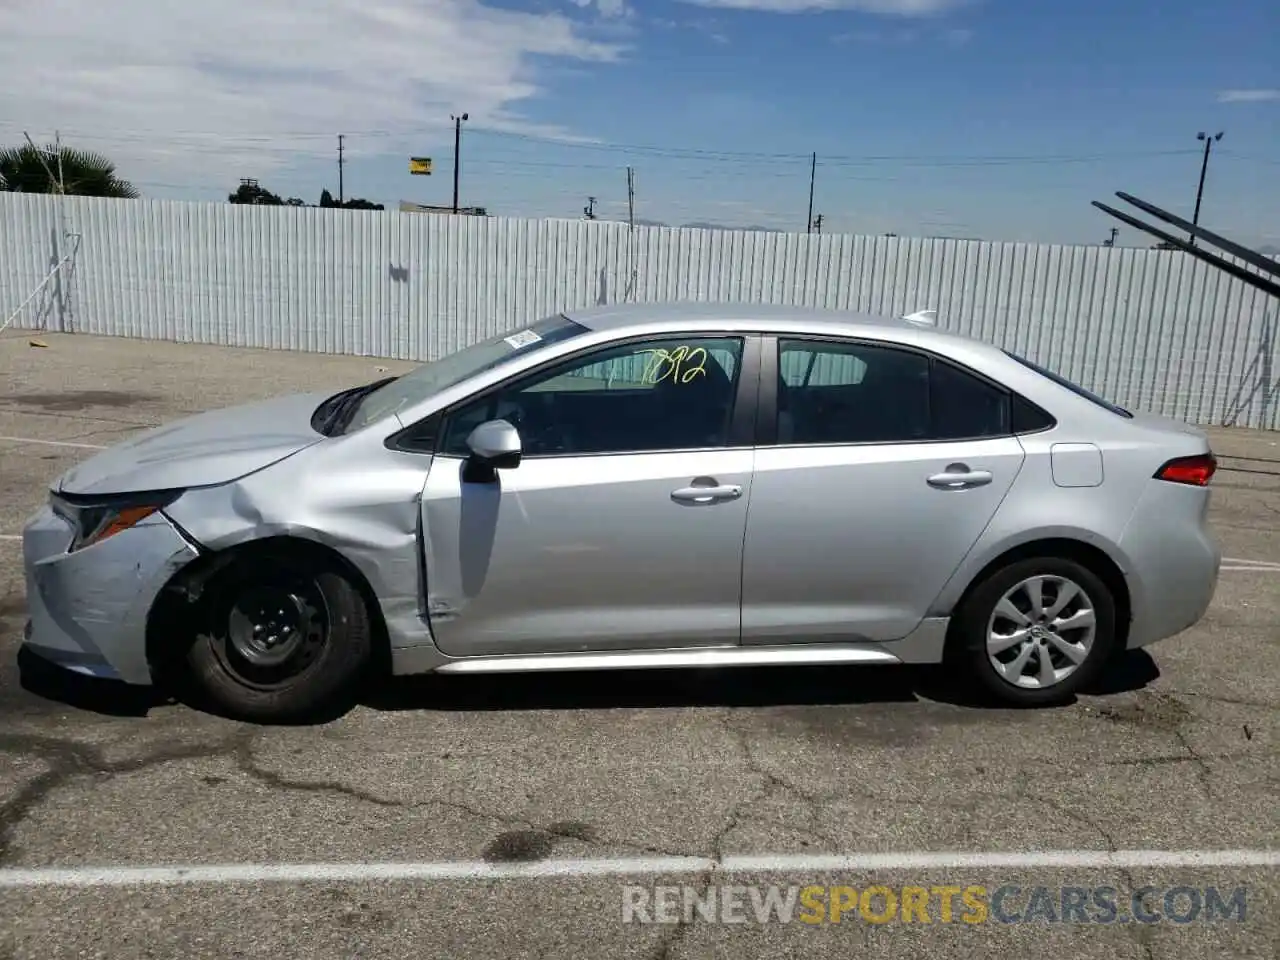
<point x="631" y="234"/>
<point x="813" y="169"/>
<point x="631" y="198"/>
<point x="590" y="209"/>
<point x="1204" y="167"/>
<point x="457" y="148"/>
<point x="817" y="223"/>
<point x="341" y="198"/>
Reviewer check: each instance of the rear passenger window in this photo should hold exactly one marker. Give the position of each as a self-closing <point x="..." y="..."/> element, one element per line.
<point x="851" y="393"/>
<point x="965" y="407"/>
<point x="832" y="392"/>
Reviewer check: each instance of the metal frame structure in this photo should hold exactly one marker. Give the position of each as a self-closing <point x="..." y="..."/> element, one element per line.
<point x="1268" y="266"/>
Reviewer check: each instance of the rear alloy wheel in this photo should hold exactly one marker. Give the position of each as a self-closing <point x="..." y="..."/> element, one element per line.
<point x="284" y="636"/>
<point x="1035" y="632"/>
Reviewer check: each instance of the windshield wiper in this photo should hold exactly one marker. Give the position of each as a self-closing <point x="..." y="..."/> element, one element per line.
<point x="345" y="405"/>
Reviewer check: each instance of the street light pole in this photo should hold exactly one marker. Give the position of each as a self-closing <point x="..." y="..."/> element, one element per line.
<point x="1204" y="167"/>
<point x="457" y="147"/>
<point x="813" y="169"/>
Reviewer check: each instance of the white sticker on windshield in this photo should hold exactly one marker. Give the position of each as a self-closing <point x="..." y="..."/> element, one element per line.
<point x="522" y="339"/>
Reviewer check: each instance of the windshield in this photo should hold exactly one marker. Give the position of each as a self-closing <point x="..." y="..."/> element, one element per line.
<point x="437" y="375"/>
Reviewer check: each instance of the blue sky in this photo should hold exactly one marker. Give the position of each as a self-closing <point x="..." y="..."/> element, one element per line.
<point x="987" y="118"/>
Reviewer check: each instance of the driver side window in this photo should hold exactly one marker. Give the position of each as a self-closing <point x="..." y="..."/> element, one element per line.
<point x="661" y="394"/>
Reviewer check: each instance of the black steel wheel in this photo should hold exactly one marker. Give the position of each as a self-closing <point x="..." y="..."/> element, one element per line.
<point x="284" y="634"/>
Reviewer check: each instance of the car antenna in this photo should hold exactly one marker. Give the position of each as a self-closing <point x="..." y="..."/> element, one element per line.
<point x="923" y="318"/>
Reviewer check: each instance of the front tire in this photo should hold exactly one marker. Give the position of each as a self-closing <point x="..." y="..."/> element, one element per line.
<point x="1035" y="632"/>
<point x="284" y="635"/>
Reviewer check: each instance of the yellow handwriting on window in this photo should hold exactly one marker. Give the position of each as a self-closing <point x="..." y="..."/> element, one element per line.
<point x="680" y="365"/>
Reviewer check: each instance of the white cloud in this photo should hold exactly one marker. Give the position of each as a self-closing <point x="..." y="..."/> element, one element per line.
<point x="876" y="36"/>
<point x="1248" y="96"/>
<point x="609" y="9"/>
<point x="952" y="38"/>
<point x="197" y="92"/>
<point x="902" y="8"/>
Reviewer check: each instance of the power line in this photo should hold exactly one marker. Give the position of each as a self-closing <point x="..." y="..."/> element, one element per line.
<point x="735" y="156"/>
<point x="833" y="158"/>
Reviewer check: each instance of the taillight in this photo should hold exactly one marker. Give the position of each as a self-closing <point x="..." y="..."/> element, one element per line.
<point x="1197" y="470"/>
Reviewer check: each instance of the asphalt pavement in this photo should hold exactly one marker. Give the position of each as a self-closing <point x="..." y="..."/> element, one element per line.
<point x="524" y="812"/>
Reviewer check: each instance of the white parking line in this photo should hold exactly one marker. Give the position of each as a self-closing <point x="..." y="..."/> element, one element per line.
<point x="1234" y="562"/>
<point x="108" y="876"/>
<point x="54" y="443"/>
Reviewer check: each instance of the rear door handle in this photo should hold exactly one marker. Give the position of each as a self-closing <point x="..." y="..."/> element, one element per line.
<point x="961" y="479"/>
<point x="708" y="494"/>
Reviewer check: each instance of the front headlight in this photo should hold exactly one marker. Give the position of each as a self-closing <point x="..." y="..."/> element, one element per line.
<point x="94" y="519"/>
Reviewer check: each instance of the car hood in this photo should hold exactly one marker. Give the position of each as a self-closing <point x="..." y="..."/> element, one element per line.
<point x="204" y="450"/>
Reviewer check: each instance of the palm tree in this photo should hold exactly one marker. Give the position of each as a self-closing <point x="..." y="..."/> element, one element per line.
<point x="27" y="169"/>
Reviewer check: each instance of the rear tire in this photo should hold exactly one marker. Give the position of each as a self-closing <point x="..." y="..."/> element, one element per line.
<point x="1033" y="633"/>
<point x="284" y="636"/>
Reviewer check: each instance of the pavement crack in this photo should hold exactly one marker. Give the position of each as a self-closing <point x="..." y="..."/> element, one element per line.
<point x="1071" y="814"/>
<point x="1190" y="756"/>
<point x="733" y="816"/>
<point x="247" y="764"/>
<point x="1203" y="774"/>
<point x="1230" y="701"/>
<point x="67" y="760"/>
<point x="1023" y="792"/>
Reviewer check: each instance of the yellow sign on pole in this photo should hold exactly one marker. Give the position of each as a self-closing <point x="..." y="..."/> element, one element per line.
<point x="420" y="166"/>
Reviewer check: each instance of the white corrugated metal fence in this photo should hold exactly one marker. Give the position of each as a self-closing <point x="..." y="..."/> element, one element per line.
<point x="1156" y="330"/>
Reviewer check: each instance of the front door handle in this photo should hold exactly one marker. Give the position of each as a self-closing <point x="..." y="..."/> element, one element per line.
<point x="708" y="493"/>
<point x="959" y="477"/>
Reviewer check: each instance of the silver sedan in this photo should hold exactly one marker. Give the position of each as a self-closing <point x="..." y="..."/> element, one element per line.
<point x="629" y="487"/>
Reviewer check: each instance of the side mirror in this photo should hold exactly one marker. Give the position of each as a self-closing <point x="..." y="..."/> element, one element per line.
<point x="495" y="445"/>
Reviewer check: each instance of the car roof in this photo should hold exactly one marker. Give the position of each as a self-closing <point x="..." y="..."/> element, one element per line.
<point x="619" y="315"/>
<point x="767" y="317"/>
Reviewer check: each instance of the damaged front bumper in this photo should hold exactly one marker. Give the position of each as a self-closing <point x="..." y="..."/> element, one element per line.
<point x="89" y="608"/>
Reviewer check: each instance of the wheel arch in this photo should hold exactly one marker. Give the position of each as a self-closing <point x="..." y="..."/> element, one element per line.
<point x="1089" y="555"/>
<point x="179" y="597"/>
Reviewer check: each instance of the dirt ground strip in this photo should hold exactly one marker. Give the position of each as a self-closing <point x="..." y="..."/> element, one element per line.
<point x="1177" y="752"/>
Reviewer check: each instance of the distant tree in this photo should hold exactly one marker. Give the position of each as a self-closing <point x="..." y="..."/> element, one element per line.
<point x="326" y="200"/>
<point x="250" y="191"/>
<point x="28" y="169"/>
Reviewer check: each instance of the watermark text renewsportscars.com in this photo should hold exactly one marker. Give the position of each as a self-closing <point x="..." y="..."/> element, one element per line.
<point x="969" y="904"/>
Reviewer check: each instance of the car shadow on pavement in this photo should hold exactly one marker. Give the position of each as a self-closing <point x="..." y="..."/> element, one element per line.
<point x="638" y="689"/>
<point x="1131" y="670"/>
<point x="107" y="697"/>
